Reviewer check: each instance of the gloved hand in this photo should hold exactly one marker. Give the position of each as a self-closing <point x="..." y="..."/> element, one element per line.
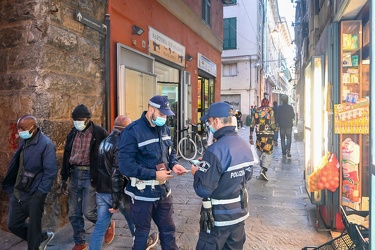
<point x="117" y="198"/>
<point x="207" y="219"/>
<point x="64" y="188"/>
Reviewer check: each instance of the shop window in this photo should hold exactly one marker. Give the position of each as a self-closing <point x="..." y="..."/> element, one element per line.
<point x="134" y="91"/>
<point x="229" y="69"/>
<point x="230" y="33"/>
<point x="206" y="11"/>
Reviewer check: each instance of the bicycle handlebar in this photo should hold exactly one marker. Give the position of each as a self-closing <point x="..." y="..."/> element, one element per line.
<point x="187" y="127"/>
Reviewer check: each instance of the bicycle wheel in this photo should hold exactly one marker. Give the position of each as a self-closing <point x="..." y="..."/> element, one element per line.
<point x="199" y="143"/>
<point x="187" y="148"/>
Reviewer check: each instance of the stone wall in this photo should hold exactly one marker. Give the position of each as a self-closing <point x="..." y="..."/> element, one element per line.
<point x="49" y="63"/>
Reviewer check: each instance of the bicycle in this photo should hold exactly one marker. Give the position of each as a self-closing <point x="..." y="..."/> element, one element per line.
<point x="191" y="144"/>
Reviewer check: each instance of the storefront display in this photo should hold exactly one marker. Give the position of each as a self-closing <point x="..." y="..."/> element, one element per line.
<point x="352" y="118"/>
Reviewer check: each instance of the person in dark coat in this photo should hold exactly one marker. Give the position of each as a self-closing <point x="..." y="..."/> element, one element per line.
<point x="220" y="179"/>
<point x="80" y="165"/>
<point x="147" y="157"/>
<point x="110" y="196"/>
<point x="285" y="121"/>
<point x="29" y="179"/>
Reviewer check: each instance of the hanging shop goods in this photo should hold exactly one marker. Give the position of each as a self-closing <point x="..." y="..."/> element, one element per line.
<point x="352" y="117"/>
<point x="326" y="175"/>
<point x="350" y="167"/>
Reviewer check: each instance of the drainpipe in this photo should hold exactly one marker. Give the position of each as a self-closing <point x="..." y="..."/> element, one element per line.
<point x="107" y="75"/>
<point x="250" y="69"/>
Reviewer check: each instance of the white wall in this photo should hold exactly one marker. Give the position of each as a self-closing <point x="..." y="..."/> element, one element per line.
<point x="246" y="12"/>
<point x="245" y="55"/>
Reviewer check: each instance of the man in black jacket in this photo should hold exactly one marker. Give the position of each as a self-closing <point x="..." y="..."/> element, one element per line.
<point x="285" y="116"/>
<point x="110" y="196"/>
<point x="80" y="164"/>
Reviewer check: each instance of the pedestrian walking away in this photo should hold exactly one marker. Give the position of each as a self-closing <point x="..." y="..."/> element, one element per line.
<point x="276" y="134"/>
<point x="147" y="157"/>
<point x="238" y="115"/>
<point x="110" y="197"/>
<point x="80" y="166"/>
<point x="220" y="179"/>
<point x="263" y="122"/>
<point x="29" y="179"/>
<point x="285" y="119"/>
<point x="234" y="121"/>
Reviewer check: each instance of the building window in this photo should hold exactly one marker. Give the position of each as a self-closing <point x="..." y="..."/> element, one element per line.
<point x="229" y="2"/>
<point x="206" y="11"/>
<point x="230" y="35"/>
<point x="230" y="69"/>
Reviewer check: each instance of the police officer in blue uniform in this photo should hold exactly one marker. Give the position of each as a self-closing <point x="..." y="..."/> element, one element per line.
<point x="220" y="179"/>
<point x="147" y="157"/>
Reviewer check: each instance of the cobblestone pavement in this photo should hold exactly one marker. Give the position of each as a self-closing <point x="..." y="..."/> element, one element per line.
<point x="281" y="215"/>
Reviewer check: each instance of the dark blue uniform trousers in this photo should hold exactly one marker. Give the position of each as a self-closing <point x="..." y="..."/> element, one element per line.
<point x="228" y="237"/>
<point x="161" y="212"/>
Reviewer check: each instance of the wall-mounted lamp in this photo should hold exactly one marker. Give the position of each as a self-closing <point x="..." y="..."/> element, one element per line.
<point x="137" y="30"/>
<point x="189" y="58"/>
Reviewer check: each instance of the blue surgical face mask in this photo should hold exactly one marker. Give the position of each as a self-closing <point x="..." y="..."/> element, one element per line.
<point x="159" y="121"/>
<point x="212" y="129"/>
<point x="79" y="125"/>
<point x="25" y="134"/>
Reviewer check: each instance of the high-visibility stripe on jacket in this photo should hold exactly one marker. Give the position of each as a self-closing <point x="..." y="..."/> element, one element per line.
<point x="141" y="148"/>
<point x="227" y="165"/>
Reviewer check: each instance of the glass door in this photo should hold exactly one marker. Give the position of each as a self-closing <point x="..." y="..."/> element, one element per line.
<point x="134" y="90"/>
<point x="205" y="93"/>
<point x="314" y="120"/>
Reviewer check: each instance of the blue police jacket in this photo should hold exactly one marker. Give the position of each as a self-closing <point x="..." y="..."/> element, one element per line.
<point x="39" y="158"/>
<point x="141" y="148"/>
<point x="226" y="166"/>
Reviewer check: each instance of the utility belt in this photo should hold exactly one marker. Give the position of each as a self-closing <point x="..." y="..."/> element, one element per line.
<point x="141" y="184"/>
<point x="81" y="167"/>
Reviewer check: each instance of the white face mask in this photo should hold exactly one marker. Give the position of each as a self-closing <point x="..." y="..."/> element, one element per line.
<point x="79" y="125"/>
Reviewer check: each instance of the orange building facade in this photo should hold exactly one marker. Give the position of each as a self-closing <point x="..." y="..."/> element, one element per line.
<point x="165" y="47"/>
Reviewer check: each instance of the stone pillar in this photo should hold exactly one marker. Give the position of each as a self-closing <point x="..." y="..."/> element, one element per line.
<point x="49" y="63"/>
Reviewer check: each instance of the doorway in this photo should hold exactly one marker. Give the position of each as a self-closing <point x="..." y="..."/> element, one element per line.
<point x="205" y="92"/>
<point x="168" y="84"/>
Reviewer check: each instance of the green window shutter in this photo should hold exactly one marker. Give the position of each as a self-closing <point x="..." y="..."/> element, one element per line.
<point x="230" y="34"/>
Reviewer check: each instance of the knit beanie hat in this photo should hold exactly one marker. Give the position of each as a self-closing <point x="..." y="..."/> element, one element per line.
<point x="81" y="111"/>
